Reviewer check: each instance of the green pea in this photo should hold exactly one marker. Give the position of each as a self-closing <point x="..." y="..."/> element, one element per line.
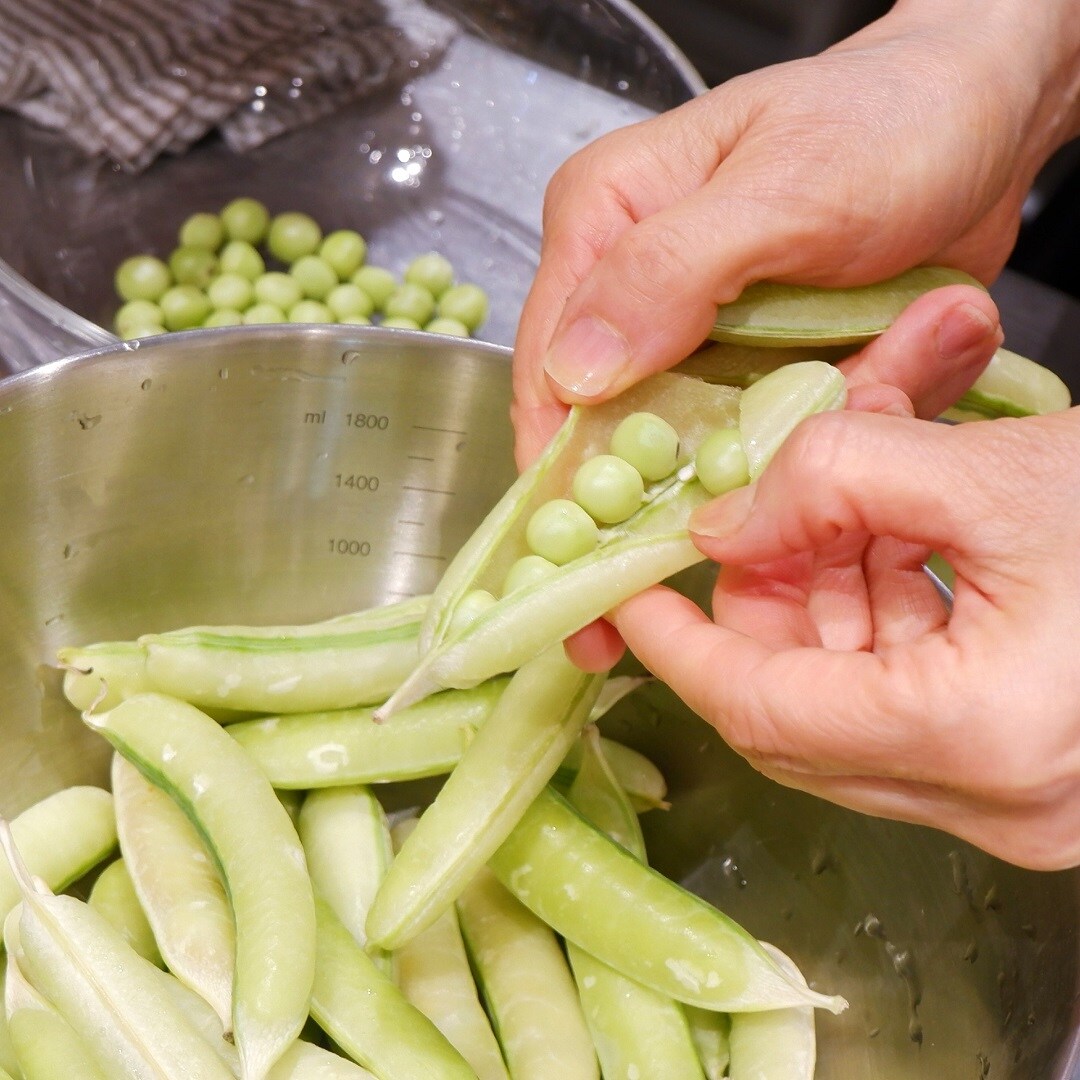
<point x="608" y="488"/>
<point x="136" y="313"/>
<point x="233" y="291"/>
<point x="472" y="606"/>
<point x="561" y="531"/>
<point x="400" y="322"/>
<point x="410" y="302"/>
<point x="345" y="251"/>
<point x="223" y="317"/>
<point x="315" y="276"/>
<point x="142" y="331"/>
<point x="466" y="303"/>
<point x="184" y="306"/>
<point x="432" y="271"/>
<point x="443" y="325"/>
<point x="354" y="320"/>
<point x="245" y="219"/>
<point x="377" y="282"/>
<point x="142" y="277"/>
<point x="193" y="266"/>
<point x="202" y="231"/>
<point x="310" y="311"/>
<point x="261" y="313"/>
<point x="348" y="299"/>
<point x="649" y="443"/>
<point x="528" y="570"/>
<point x="240" y="257"/>
<point x="277" y="288"/>
<point x="721" y="462"/>
<point x="293" y="235"/>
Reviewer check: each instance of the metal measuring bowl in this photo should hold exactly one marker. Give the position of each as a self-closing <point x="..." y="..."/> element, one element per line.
<point x="280" y="474"/>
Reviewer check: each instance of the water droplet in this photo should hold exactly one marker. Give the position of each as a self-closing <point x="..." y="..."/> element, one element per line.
<point x="971" y="953"/>
<point x="223" y="373"/>
<point x="248" y="479"/>
<point x="70" y="551"/>
<point x="146" y="384"/>
<point x="87" y="422"/>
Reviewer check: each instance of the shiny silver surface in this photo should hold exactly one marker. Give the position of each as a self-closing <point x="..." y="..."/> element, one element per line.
<point x="204" y="478"/>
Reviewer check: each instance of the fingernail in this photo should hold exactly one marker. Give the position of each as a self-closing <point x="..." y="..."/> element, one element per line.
<point x="962" y="329"/>
<point x="588" y="358"/>
<point x="724" y="516"/>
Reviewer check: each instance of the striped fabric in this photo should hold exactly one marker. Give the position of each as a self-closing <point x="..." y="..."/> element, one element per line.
<point x="131" y="79"/>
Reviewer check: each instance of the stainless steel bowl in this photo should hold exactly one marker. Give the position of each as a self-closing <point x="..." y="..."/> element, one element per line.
<point x="204" y="477"/>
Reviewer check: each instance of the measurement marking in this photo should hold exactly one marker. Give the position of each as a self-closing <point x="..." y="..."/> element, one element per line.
<point x="425" y="490"/>
<point x="419" y="457"/>
<point x="402" y="521"/>
<point x="404" y="593"/>
<point x="441" y="430"/>
<point x="420" y="555"/>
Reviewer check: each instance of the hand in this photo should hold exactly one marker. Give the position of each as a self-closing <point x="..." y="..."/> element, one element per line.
<point x="914" y="141"/>
<point x="833" y="665"/>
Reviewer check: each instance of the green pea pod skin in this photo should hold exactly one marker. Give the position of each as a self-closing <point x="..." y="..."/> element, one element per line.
<point x="526" y="985"/>
<point x="780" y="1044"/>
<point x="434" y="974"/>
<point x="256" y="848"/>
<point x="710" y="1031"/>
<point x="513" y="756"/>
<point x="99" y="985"/>
<point x="347" y="842"/>
<point x="7" y="1051"/>
<point x="305" y="1061"/>
<point x="48" y="1048"/>
<point x="642" y="781"/>
<point x="1012" y="385"/>
<point x="368" y="1016"/>
<point x="742" y="365"/>
<point x="684" y="947"/>
<point x="113" y="897"/>
<point x="691" y="407"/>
<point x="636" y="1031"/>
<point x="101" y="675"/>
<point x="61" y="838"/>
<point x="349" y="747"/>
<point x="179" y="888"/>
<point x="771" y="409"/>
<point x="768" y="313"/>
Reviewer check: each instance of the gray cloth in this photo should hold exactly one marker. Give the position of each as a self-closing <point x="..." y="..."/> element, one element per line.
<point x="131" y="79"/>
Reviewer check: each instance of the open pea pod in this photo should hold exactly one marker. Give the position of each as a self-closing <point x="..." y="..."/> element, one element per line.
<point x="649" y="546"/>
<point x="768" y="313"/>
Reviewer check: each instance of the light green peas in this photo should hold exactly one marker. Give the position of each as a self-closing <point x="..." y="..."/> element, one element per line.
<point x="472" y="606"/>
<point x="721" y="462"/>
<point x="240" y="257"/>
<point x="223" y="317"/>
<point x="608" y="488"/>
<point x="349" y="299"/>
<point x="143" y="331"/>
<point x="245" y="219"/>
<point x="259" y="314"/>
<point x="142" y="277"/>
<point x="193" y="266"/>
<point x="432" y="271"/>
<point x="354" y="320"/>
<point x="315" y="276"/>
<point x="233" y="291"/>
<point x="528" y="570"/>
<point x="183" y="307"/>
<point x="277" y="288"/>
<point x="345" y="251"/>
<point x="202" y="231"/>
<point x="443" y="325"/>
<point x="561" y="531"/>
<point x="466" y="303"/>
<point x="310" y="311"/>
<point x="377" y="282"/>
<point x="292" y="236"/>
<point x="410" y="302"/>
<point x="136" y="313"/>
<point x="400" y="322"/>
<point x="649" y="443"/>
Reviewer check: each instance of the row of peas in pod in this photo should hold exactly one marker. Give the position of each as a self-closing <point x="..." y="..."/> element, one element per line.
<point x="609" y="489"/>
<point x="244" y="266"/>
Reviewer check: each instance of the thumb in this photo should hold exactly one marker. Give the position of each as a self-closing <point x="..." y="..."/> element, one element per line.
<point x="850" y="473"/>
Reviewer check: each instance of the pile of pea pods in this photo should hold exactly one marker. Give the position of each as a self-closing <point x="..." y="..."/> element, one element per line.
<point x="253" y="912"/>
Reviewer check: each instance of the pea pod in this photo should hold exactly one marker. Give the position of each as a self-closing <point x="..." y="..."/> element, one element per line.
<point x="354" y="659"/>
<point x="526" y="985"/>
<point x="113" y="897"/>
<point x="7" y="1051"/>
<point x="109" y="994"/>
<point x="636" y="1031"/>
<point x="305" y="1061"/>
<point x="597" y="895"/>
<point x="368" y="1016"/>
<point x="767" y="313"/>
<point x="780" y="1044"/>
<point x="646" y="548"/>
<point x="538" y="717"/>
<point x="710" y="1032"/>
<point x="434" y="974"/>
<point x="179" y="888"/>
<point x="48" y="1047"/>
<point x="62" y="837"/>
<point x="642" y="781"/>
<point x="256" y="849"/>
<point x="348" y="746"/>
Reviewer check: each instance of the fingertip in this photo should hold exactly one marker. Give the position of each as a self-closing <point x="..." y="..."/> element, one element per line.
<point x="596" y="648"/>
